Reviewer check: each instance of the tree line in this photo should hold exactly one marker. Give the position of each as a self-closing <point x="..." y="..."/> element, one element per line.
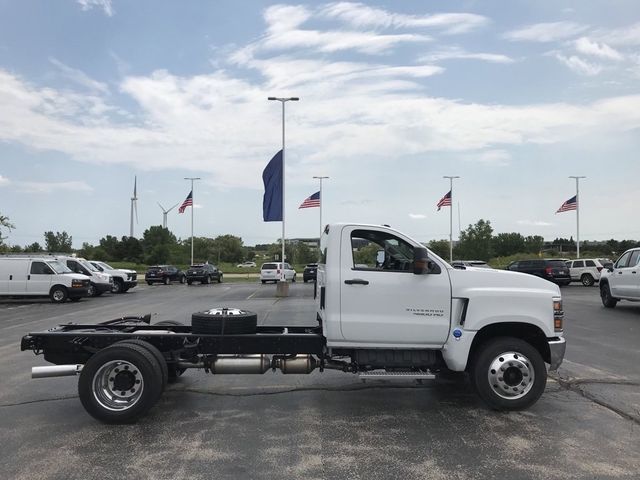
<point x="158" y="245"/>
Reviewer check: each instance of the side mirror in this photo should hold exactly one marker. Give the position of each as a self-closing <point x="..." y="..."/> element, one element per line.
<point x="380" y="258"/>
<point x="421" y="262"/>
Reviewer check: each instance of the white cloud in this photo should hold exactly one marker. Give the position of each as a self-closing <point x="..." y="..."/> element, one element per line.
<point x="534" y="223"/>
<point x="4" y="181"/>
<point x="417" y="216"/>
<point x="492" y="158"/>
<point x="51" y="187"/>
<point x="79" y="77"/>
<point x="625" y="36"/>
<point x="360" y="15"/>
<point x="454" y="53"/>
<point x="580" y="66"/>
<point x="546" y="32"/>
<point x="601" y="50"/>
<point x="283" y="33"/>
<point x="104" y="4"/>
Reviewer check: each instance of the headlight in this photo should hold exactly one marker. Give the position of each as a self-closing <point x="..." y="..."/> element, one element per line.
<point x="77" y="283"/>
<point x="558" y="314"/>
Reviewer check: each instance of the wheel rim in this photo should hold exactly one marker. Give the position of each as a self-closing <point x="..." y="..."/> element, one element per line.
<point x="92" y="290"/>
<point x="58" y="295"/>
<point x="586" y="280"/>
<point x="118" y="385"/>
<point x="116" y="287"/>
<point x="511" y="375"/>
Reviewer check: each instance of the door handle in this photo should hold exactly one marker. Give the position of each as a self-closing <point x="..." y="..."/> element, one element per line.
<point x="357" y="281"/>
<point x="619" y="273"/>
<point x="633" y="272"/>
<point x="28" y="277"/>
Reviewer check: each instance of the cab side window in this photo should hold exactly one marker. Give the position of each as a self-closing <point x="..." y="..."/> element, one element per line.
<point x="40" y="268"/>
<point x="373" y="250"/>
<point x="635" y="256"/>
<point x="578" y="264"/>
<point x="623" y="261"/>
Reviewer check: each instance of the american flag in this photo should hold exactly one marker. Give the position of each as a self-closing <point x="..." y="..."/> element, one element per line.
<point x="445" y="201"/>
<point x="571" y="204"/>
<point x="310" y="202"/>
<point x="188" y="202"/>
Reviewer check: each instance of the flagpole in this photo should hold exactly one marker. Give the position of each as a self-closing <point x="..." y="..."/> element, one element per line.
<point x="577" y="177"/>
<point x="283" y="101"/>
<point x="451" y="177"/>
<point x="192" y="208"/>
<point x="321" y="198"/>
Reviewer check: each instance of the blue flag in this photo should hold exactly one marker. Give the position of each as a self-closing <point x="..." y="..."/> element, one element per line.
<point x="272" y="201"/>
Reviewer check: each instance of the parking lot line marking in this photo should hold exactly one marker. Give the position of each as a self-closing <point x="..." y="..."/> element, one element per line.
<point x="251" y="296"/>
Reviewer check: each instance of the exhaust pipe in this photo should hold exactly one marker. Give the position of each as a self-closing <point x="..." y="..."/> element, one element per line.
<point x="56" y="371"/>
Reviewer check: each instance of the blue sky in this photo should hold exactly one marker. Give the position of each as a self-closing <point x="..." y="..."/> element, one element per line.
<point x="512" y="96"/>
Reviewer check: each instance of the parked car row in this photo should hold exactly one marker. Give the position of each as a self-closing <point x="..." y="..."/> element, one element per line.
<point x="60" y="277"/>
<point x="199" y="272"/>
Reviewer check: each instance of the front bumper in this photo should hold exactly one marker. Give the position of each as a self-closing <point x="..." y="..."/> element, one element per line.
<point x="103" y="287"/>
<point x="130" y="283"/>
<point x="557" y="347"/>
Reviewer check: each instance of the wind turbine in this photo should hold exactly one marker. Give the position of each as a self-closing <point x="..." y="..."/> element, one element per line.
<point x="164" y="214"/>
<point x="134" y="204"/>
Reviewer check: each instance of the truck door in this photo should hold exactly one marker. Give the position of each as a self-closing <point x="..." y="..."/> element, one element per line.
<point x="17" y="276"/>
<point x="39" y="278"/>
<point x="621" y="280"/>
<point x="382" y="302"/>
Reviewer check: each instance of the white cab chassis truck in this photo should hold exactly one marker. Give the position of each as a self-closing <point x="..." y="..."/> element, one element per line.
<point x="386" y="307"/>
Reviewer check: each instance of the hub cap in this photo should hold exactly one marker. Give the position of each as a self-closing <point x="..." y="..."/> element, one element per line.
<point x="511" y="375"/>
<point x="118" y="385"/>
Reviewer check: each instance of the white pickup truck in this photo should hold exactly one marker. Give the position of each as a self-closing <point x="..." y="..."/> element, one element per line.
<point x="386" y="307"/>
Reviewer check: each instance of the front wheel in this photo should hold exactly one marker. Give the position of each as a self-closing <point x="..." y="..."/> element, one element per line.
<point x="508" y="373"/>
<point x="117" y="286"/>
<point x="587" y="280"/>
<point x="167" y="280"/>
<point x="149" y="283"/>
<point x="182" y="279"/>
<point x="58" y="294"/>
<point x="92" y="292"/>
<point x="607" y="299"/>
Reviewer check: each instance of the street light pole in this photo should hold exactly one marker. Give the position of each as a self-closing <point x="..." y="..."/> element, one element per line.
<point x="577" y="177"/>
<point x="283" y="100"/>
<point x="193" y="204"/>
<point x="321" y="200"/>
<point x="451" y="177"/>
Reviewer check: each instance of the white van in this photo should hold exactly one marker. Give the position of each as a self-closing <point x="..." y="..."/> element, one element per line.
<point x="38" y="276"/>
<point x="100" y="282"/>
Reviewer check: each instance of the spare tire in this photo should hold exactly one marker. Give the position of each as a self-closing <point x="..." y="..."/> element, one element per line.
<point x="224" y="321"/>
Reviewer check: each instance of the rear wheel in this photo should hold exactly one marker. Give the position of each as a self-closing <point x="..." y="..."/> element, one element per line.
<point x="587" y="280"/>
<point x="58" y="294"/>
<point x="120" y="383"/>
<point x="182" y="279"/>
<point x="156" y="353"/>
<point x="508" y="373"/>
<point x="206" y="279"/>
<point x="219" y="278"/>
<point x="607" y="299"/>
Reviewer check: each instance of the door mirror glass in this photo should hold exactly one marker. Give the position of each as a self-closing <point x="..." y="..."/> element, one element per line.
<point x="380" y="258"/>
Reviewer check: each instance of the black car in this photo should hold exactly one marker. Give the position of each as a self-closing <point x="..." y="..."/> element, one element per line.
<point x="555" y="271"/>
<point x="310" y="272"/>
<point x="164" y="274"/>
<point x="203" y="273"/>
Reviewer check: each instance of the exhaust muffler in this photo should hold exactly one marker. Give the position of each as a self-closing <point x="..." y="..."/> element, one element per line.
<point x="56" y="371"/>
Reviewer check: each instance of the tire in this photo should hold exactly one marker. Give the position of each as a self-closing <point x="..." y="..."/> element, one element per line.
<point x="293" y="280"/>
<point x="58" y="294"/>
<point x="167" y="280"/>
<point x="92" y="292"/>
<point x="135" y="369"/>
<point x="118" y="286"/>
<point x="125" y="289"/>
<point x="156" y="353"/>
<point x="508" y="373"/>
<point x="189" y="282"/>
<point x="219" y="278"/>
<point x="173" y="370"/>
<point x="607" y="299"/>
<point x="263" y="281"/>
<point x="587" y="280"/>
<point x="182" y="279"/>
<point x="149" y="283"/>
<point x="224" y="322"/>
<point x="206" y="280"/>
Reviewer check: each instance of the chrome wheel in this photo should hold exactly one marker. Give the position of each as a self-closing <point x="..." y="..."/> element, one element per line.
<point x="511" y="375"/>
<point x="58" y="295"/>
<point x="117" y="385"/>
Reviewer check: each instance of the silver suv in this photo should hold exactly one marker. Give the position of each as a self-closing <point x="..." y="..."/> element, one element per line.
<point x="622" y="280"/>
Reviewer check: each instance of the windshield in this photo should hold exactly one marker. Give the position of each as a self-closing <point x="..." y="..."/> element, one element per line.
<point x="106" y="266"/>
<point x="59" y="267"/>
<point x="88" y="266"/>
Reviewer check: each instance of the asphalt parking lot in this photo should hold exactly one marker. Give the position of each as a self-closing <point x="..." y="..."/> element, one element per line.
<point x="329" y="425"/>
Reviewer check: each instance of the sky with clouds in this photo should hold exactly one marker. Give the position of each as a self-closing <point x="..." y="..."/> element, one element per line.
<point x="513" y="97"/>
